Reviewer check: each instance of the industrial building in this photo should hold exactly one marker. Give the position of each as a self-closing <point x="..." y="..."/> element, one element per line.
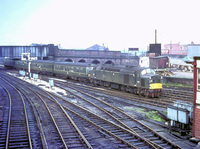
<point x="39" y="51"/>
<point x="94" y="54"/>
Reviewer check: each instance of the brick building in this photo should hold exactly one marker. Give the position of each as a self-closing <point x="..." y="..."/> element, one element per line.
<point x="175" y="49"/>
<point x="51" y="52"/>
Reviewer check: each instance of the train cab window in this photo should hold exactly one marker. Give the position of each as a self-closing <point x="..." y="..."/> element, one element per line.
<point x="88" y="69"/>
<point x="148" y="71"/>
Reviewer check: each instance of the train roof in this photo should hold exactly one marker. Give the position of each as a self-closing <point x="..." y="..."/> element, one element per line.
<point x="121" y="68"/>
<point x="64" y="63"/>
<point x="75" y="64"/>
<point x="42" y="61"/>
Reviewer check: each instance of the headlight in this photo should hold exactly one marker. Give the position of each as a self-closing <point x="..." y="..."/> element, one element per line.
<point x="150" y="81"/>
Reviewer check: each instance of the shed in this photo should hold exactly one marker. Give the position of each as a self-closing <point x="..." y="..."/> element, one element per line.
<point x="159" y="62"/>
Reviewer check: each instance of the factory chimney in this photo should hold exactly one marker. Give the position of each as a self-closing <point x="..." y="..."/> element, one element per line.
<point x="155" y="36"/>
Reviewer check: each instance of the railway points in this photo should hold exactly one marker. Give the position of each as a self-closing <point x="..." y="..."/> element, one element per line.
<point x="62" y="93"/>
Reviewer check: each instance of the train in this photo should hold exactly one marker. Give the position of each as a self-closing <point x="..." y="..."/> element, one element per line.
<point x="134" y="79"/>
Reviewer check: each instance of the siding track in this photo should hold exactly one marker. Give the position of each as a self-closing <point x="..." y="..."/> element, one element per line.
<point x="68" y="122"/>
<point x="15" y="129"/>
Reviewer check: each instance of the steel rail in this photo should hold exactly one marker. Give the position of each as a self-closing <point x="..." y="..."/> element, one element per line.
<point x="9" y="117"/>
<point x="119" y="138"/>
<point x="25" y="114"/>
<point x="151" y="144"/>
<point x="74" y="125"/>
<point x="123" y="124"/>
<point x="66" y="114"/>
<point x="43" y="138"/>
<point x="79" y="132"/>
<point x="60" y="134"/>
<point x="167" y="140"/>
<point x="51" y="118"/>
<point x="129" y="96"/>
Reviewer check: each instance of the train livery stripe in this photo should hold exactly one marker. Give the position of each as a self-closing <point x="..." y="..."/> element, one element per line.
<point x="155" y="86"/>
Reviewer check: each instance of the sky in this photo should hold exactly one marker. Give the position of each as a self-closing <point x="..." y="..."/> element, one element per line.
<point x="79" y="24"/>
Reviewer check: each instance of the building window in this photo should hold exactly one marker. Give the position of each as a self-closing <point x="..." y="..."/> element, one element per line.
<point x="198" y="87"/>
<point x="198" y="84"/>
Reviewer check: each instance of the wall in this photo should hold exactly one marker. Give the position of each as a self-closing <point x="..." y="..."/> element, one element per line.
<point x="197" y="122"/>
<point x="174" y="49"/>
<point x="193" y="50"/>
<point x="87" y="53"/>
<point x="90" y="55"/>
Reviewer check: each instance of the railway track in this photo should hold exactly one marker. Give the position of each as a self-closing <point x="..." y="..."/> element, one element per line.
<point x="68" y="132"/>
<point x="137" y="132"/>
<point x="63" y="132"/>
<point x="155" y="102"/>
<point x="72" y="138"/>
<point x="173" y="95"/>
<point x="136" y="139"/>
<point x="122" y="118"/>
<point x="168" y="96"/>
<point x="17" y="123"/>
<point x="107" y="126"/>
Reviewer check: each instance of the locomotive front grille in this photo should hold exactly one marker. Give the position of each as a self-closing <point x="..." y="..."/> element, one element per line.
<point x="156" y="79"/>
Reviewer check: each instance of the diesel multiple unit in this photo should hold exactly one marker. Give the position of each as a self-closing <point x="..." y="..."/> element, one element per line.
<point x="138" y="80"/>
